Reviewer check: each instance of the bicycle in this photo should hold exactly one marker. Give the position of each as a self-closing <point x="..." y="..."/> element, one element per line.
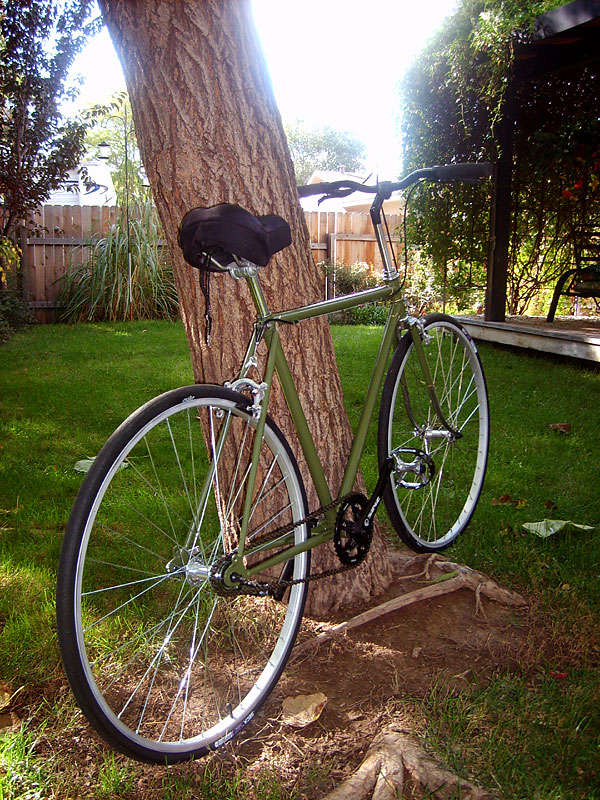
<point x="186" y="559"/>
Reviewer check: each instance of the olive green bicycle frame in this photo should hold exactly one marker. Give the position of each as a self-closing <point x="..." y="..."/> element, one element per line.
<point x="266" y="327"/>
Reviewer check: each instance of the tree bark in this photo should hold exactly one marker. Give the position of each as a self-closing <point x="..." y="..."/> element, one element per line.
<point x="209" y="132"/>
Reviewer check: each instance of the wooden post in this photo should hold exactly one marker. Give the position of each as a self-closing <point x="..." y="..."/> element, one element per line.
<point x="497" y="273"/>
<point x="24" y="264"/>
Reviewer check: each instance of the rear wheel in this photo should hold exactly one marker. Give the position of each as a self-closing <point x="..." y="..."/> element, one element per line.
<point x="434" y="489"/>
<point x="163" y="662"/>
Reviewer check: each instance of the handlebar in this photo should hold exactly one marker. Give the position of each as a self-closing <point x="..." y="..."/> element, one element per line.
<point x="447" y="173"/>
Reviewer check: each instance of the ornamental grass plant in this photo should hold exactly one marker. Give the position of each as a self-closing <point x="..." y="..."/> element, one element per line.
<point x="124" y="275"/>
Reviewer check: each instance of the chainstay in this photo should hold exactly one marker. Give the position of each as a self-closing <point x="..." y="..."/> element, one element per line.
<point x="313" y="516"/>
<point x="265" y="587"/>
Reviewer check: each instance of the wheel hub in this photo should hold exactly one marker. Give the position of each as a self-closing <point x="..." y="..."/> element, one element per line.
<point x="197" y="572"/>
<point x="189" y="565"/>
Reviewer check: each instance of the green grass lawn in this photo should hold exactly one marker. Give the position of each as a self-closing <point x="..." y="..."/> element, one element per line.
<point x="531" y="734"/>
<point x="65" y="389"/>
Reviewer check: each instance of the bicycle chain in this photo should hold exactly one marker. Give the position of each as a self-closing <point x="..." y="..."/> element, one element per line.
<point x="265" y="588"/>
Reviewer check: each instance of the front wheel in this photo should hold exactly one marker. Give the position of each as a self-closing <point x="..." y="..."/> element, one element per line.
<point x="165" y="664"/>
<point x="438" y="476"/>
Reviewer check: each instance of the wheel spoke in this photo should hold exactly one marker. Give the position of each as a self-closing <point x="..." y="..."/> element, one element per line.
<point x="452" y="468"/>
<point x="159" y="654"/>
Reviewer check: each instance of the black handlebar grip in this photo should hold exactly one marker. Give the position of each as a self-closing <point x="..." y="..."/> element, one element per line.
<point x="467" y="173"/>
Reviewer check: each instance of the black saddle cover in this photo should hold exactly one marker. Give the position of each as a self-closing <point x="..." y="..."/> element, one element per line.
<point x="225" y="230"/>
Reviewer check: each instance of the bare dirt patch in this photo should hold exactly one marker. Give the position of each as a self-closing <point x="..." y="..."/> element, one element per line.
<point x="369" y="674"/>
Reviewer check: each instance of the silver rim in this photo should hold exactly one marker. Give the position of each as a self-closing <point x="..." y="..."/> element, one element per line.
<point x="170" y="664"/>
<point x="438" y="511"/>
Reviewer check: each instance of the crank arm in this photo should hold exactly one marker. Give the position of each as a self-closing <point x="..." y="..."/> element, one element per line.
<point x="366" y="518"/>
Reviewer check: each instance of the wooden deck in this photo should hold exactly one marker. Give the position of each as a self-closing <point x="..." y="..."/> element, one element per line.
<point x="574" y="337"/>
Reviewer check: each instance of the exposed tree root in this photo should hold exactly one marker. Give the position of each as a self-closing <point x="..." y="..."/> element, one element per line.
<point x="393" y="764"/>
<point x="442" y="577"/>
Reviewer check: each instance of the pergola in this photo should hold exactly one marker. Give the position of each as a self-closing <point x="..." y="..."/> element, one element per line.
<point x="565" y="38"/>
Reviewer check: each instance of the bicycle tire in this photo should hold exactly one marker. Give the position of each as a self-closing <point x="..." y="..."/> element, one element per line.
<point x="164" y="668"/>
<point x="446" y="481"/>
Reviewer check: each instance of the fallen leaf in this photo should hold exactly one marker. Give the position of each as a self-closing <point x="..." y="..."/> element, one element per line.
<point x="9" y="722"/>
<point x="507" y="500"/>
<point x="302" y="710"/>
<point x="558" y="675"/>
<point x="6" y="696"/>
<point x="548" y="527"/>
<point x="562" y="427"/>
<point x="85" y="464"/>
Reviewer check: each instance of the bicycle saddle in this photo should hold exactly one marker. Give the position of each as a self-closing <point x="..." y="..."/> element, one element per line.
<point x="225" y="230"/>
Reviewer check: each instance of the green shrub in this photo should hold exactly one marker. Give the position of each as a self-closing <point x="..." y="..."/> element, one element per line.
<point x="348" y="280"/>
<point x="372" y="314"/>
<point x="14" y="313"/>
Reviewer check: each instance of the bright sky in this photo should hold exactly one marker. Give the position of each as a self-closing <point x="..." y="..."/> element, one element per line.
<point x="332" y="62"/>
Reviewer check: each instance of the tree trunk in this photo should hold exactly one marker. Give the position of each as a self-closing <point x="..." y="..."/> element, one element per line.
<point x="209" y="132"/>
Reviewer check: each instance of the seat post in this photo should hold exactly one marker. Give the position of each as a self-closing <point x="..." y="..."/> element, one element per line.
<point x="257" y="295"/>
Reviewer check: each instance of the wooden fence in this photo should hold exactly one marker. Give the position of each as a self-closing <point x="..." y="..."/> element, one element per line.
<point x="51" y="246"/>
<point x="57" y="232"/>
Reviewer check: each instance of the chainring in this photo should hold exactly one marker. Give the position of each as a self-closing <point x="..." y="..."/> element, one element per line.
<point x="350" y="541"/>
<point x="275" y="588"/>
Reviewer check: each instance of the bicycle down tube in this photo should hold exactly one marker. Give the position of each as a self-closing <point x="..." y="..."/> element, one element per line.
<point x="277" y="363"/>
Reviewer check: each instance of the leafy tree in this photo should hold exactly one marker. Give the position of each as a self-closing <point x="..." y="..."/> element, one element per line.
<point x="452" y="99"/>
<point x="209" y="132"/>
<point x="313" y="147"/>
<point x="38" y="42"/>
<point x="113" y="126"/>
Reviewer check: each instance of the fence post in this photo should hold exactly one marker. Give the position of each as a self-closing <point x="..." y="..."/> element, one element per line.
<point x="24" y="264"/>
